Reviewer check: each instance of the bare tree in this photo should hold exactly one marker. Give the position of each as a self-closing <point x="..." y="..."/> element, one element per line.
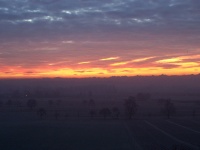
<point x="78" y="114"/>
<point x="50" y="102"/>
<point x="194" y="113"/>
<point x="130" y="106"/>
<point x="56" y="115"/>
<point x="66" y="115"/>
<point x="9" y="102"/>
<point x="58" y="102"/>
<point x="169" y="108"/>
<point x="18" y="103"/>
<point x="92" y="113"/>
<point x="42" y="113"/>
<point x="175" y="147"/>
<point x="1" y="103"/>
<point x="116" y="112"/>
<point x="91" y="102"/>
<point x="105" y="112"/>
<point x="84" y="102"/>
<point x="31" y="103"/>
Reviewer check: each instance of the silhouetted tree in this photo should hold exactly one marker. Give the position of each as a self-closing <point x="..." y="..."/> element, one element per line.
<point x="130" y="106"/>
<point x="84" y="102"/>
<point x="169" y="108"/>
<point x="175" y="147"/>
<point x="17" y="103"/>
<point x="116" y="112"/>
<point x="105" y="112"/>
<point x="9" y="102"/>
<point x="42" y="113"/>
<point x="1" y="103"/>
<point x="50" y="102"/>
<point x="66" y="115"/>
<point x="90" y="94"/>
<point x="56" y="115"/>
<point x="194" y="113"/>
<point x="92" y="113"/>
<point x="31" y="103"/>
<point x="78" y="114"/>
<point x="58" y="102"/>
<point x="149" y="114"/>
<point x="91" y="102"/>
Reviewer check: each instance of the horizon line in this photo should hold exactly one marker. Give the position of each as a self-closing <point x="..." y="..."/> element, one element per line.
<point x="92" y="77"/>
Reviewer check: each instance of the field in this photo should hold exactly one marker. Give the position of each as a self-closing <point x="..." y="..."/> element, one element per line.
<point x="74" y="128"/>
<point x="74" y="122"/>
<point x="154" y="134"/>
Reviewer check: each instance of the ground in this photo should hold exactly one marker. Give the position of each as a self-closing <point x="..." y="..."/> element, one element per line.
<point x="87" y="134"/>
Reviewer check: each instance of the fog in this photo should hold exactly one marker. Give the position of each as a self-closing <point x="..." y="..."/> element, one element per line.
<point x="142" y="113"/>
<point x="172" y="85"/>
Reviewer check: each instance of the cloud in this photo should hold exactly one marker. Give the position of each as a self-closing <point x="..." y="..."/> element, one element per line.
<point x="86" y="62"/>
<point x="168" y="66"/>
<point x="106" y="16"/>
<point x="170" y="60"/>
<point x="119" y="63"/>
<point x="102" y="33"/>
<point x="68" y="42"/>
<point x="30" y="72"/>
<point x="109" y="58"/>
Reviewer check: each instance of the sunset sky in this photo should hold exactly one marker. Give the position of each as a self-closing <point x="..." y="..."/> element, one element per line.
<point x="99" y="38"/>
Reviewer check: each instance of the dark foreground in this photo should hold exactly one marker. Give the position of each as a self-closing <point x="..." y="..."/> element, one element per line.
<point x="87" y="134"/>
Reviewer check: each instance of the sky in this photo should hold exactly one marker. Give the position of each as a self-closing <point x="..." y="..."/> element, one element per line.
<point x="99" y="38"/>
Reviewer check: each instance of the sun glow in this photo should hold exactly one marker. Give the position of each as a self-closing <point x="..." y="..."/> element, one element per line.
<point x="181" y="65"/>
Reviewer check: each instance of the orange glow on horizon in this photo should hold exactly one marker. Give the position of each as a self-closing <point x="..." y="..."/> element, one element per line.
<point x="171" y="66"/>
<point x="101" y="72"/>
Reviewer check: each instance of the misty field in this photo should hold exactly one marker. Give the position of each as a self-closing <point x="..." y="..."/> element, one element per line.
<point x="64" y="135"/>
<point x="154" y="134"/>
<point x="91" y="115"/>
